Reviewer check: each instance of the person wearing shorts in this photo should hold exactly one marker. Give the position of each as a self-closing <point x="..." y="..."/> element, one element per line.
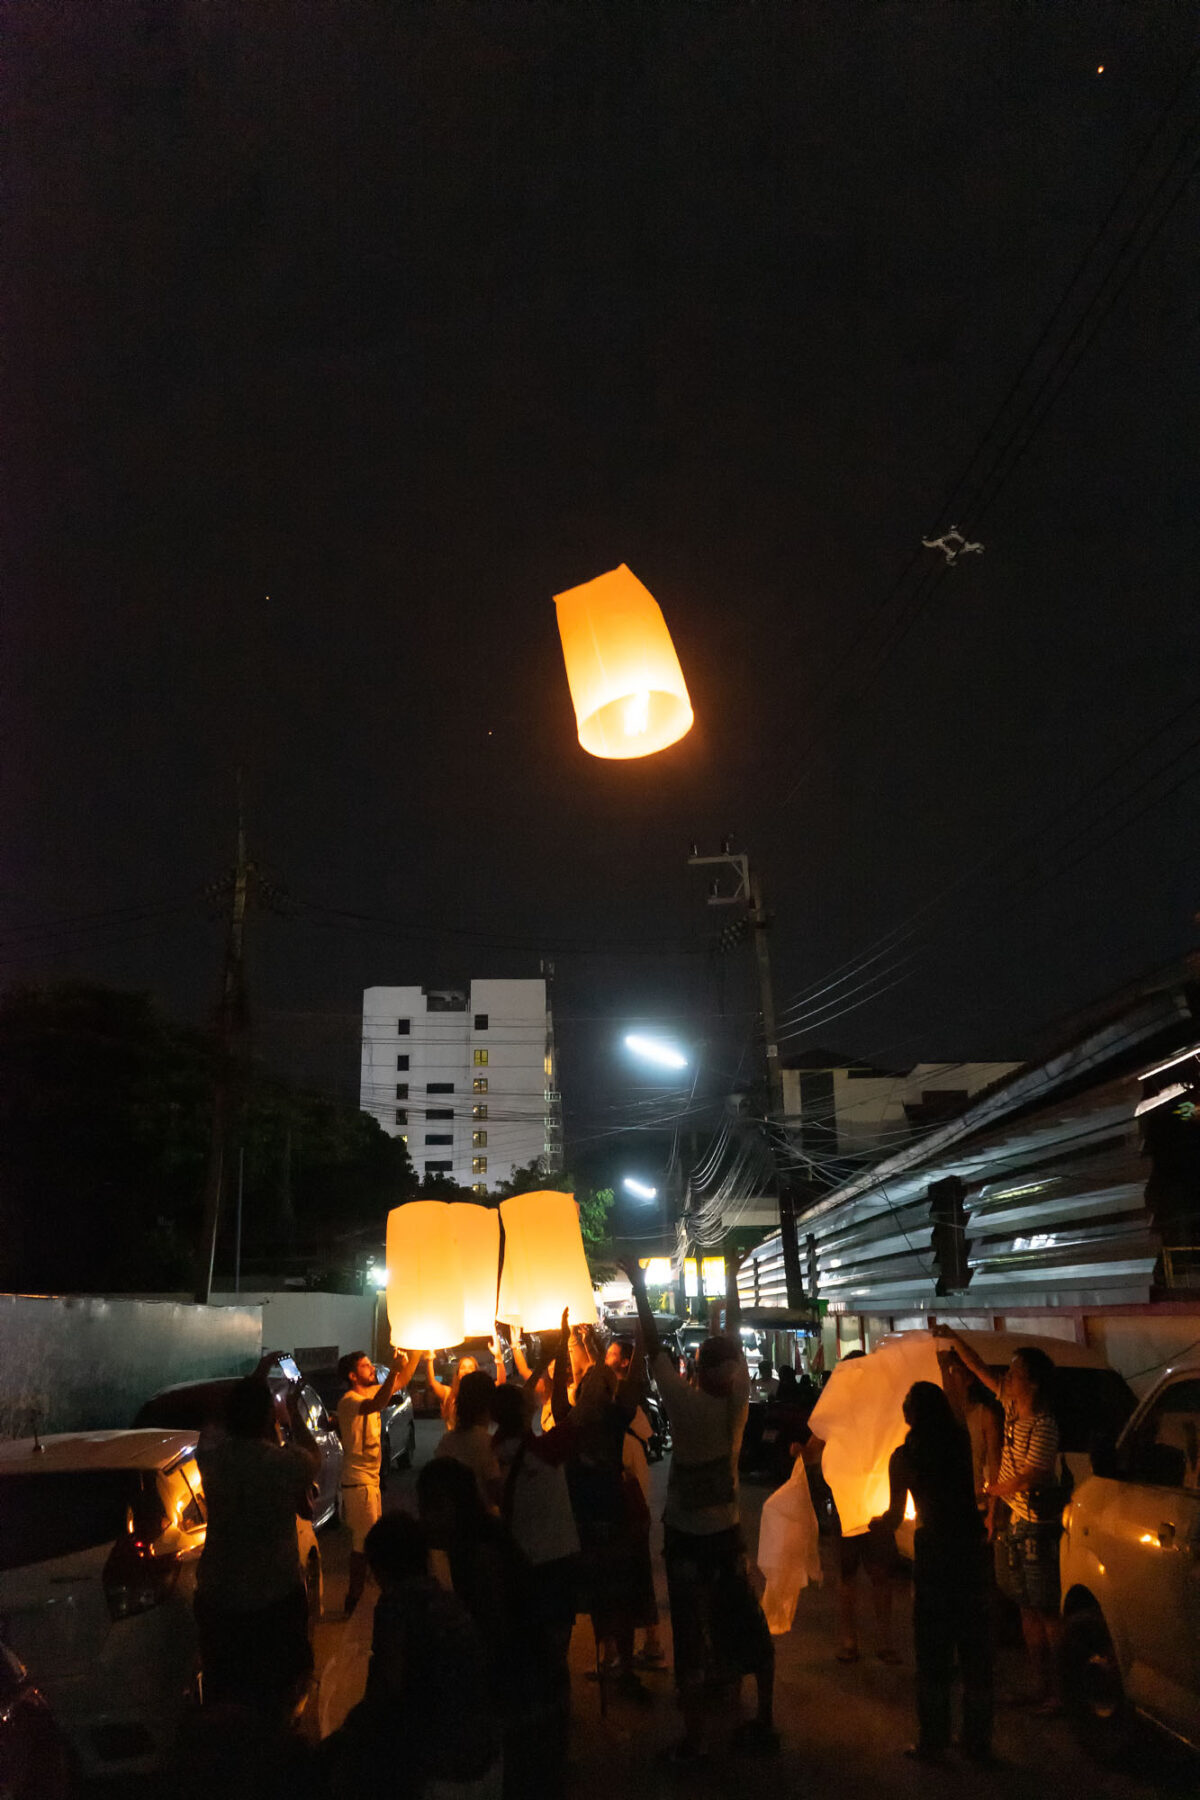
<point x="359" y="1420"/>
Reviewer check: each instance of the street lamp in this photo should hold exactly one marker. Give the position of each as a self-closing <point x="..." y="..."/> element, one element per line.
<point x="652" y="1051"/>
<point x="639" y="1189"/>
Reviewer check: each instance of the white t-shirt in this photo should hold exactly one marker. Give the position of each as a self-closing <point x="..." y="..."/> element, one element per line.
<point x="702" y="1493"/>
<point x="361" y="1434"/>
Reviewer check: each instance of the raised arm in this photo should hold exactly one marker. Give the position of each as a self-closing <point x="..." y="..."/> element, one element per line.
<point x="498" y="1355"/>
<point x="646" y="1320"/>
<point x="973" y="1362"/>
<point x="560" y="1406"/>
<point x="520" y="1360"/>
<point x="437" y="1388"/>
<point x="404" y="1367"/>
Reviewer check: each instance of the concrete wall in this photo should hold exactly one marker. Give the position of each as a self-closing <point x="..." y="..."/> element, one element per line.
<point x="321" y="1327"/>
<point x="82" y="1363"/>
<point x="1141" y="1345"/>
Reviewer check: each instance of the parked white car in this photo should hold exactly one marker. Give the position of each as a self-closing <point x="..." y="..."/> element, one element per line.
<point x="1131" y="1573"/>
<point x="101" y="1535"/>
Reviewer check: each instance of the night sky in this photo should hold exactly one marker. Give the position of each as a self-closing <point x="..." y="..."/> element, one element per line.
<point x="341" y="337"/>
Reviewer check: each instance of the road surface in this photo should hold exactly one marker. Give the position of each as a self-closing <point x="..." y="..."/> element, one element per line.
<point x="843" y="1726"/>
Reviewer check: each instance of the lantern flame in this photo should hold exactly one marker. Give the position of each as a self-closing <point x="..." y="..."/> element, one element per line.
<point x="626" y="684"/>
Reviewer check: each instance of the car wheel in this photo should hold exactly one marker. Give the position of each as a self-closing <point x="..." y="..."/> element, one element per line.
<point x="312" y="1586"/>
<point x="1099" y="1710"/>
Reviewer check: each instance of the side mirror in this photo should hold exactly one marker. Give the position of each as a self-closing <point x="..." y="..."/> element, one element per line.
<point x="1103" y="1453"/>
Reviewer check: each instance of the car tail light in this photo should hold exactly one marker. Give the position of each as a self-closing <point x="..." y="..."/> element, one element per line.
<point x="135" y="1579"/>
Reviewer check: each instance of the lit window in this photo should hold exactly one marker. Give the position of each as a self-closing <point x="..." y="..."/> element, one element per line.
<point x="404" y="1137"/>
<point x="479" y="1085"/>
<point x="481" y="1057"/>
<point x="439" y="1137"/>
<point x="439" y="1087"/>
<point x="402" y="1062"/>
<point x="480" y="1187"/>
<point x="479" y="1112"/>
<point x="481" y="1023"/>
<point x="479" y="1165"/>
<point x="479" y="1139"/>
<point x="403" y="1027"/>
<point x="402" y="1090"/>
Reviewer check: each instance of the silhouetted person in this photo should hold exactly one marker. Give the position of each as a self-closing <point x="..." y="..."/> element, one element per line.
<point x="950" y="1611"/>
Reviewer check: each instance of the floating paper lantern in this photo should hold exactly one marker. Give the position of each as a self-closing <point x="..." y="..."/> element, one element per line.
<point x="626" y="683"/>
<point x="477" y="1236"/>
<point x="545" y="1268"/>
<point x="425" y="1282"/>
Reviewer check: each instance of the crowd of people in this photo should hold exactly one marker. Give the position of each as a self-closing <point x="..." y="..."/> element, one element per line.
<point x="535" y="1509"/>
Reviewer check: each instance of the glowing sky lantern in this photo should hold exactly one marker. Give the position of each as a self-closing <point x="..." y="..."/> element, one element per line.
<point x="860" y="1417"/>
<point x="626" y="683"/>
<point x="425" y="1278"/>
<point x="545" y="1267"/>
<point x="477" y="1237"/>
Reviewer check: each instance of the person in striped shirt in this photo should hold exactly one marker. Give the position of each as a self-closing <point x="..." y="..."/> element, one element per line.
<point x="1026" y="1545"/>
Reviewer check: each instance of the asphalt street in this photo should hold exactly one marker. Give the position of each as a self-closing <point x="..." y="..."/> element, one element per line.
<point x="844" y="1727"/>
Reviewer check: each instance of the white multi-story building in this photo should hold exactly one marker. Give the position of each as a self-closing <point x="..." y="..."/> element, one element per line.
<point x="466" y="1078"/>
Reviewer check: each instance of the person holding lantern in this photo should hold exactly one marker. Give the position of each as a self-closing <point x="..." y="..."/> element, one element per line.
<point x="950" y="1612"/>
<point x="445" y="1394"/>
<point x="360" y="1427"/>
<point x="717" y="1625"/>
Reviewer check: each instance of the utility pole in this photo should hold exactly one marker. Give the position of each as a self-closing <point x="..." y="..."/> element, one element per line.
<point x="232" y="1027"/>
<point x="748" y="892"/>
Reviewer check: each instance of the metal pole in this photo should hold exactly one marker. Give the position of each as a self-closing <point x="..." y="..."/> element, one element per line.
<point x="237" y="1242"/>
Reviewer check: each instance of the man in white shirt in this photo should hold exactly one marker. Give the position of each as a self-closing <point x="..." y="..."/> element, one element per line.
<point x="359" y="1420"/>
<point x="717" y="1626"/>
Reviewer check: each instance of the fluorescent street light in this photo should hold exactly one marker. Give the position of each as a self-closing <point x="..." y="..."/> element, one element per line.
<point x="377" y="1276"/>
<point x="639" y="1188"/>
<point x="654" y="1052"/>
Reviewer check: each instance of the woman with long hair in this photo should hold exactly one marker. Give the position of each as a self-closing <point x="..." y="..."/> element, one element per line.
<point x="949" y="1574"/>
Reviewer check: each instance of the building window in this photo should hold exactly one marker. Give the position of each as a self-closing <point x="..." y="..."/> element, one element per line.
<point x="439" y="1087"/>
<point x="481" y="1057"/>
<point x="481" y="1021"/>
<point x="479" y="1085"/>
<point x="439" y="1168"/>
<point x="439" y="1137"/>
<point x="403" y="1027"/>
<point x="479" y="1165"/>
<point x="402" y="1062"/>
<point x="401" y="1116"/>
<point x="402" y="1090"/>
<point x="479" y="1112"/>
<point x="479" y="1139"/>
<point x="439" y="1112"/>
<point x="479" y="1187"/>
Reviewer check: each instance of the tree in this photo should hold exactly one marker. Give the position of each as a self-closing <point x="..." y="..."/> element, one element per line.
<point x="105" y="1116"/>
